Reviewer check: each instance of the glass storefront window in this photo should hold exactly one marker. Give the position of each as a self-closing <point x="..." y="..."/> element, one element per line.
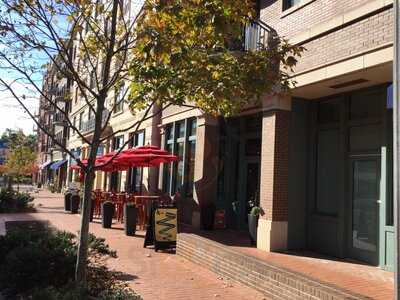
<point x="190" y="169"/>
<point x="329" y="112"/>
<point x="167" y="172"/>
<point x="179" y="168"/>
<point x="180" y="129"/>
<point x="365" y="105"/>
<point x="192" y="127"/>
<point x="180" y="139"/>
<point x="135" y="175"/>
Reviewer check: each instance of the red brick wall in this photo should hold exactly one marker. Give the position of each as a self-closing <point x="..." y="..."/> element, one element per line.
<point x="359" y="37"/>
<point x="314" y="13"/>
<point x="274" y="187"/>
<point x="365" y="34"/>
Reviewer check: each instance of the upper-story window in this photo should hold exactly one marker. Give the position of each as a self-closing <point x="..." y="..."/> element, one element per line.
<point x="90" y="114"/>
<point x="119" y="98"/>
<point x="81" y="120"/>
<point x="290" y="3"/>
<point x="76" y="95"/>
<point x="118" y="142"/>
<point x="92" y="80"/>
<point x="74" y="123"/>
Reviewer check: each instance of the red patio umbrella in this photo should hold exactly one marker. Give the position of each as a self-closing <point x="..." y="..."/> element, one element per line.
<point x="146" y="156"/>
<point x="103" y="164"/>
<point x="76" y="166"/>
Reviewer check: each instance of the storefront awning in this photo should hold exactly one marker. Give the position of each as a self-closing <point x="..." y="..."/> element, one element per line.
<point x="45" y="165"/>
<point x="58" y="164"/>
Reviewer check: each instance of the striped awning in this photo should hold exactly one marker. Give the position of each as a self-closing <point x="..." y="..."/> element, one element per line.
<point x="57" y="164"/>
<point x="45" y="165"/>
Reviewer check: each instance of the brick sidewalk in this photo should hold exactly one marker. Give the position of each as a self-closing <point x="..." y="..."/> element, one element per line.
<point x="152" y="275"/>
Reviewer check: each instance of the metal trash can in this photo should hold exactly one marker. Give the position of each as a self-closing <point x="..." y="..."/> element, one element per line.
<point x="75" y="199"/>
<point x="67" y="201"/>
<point x="130" y="218"/>
<point x="107" y="212"/>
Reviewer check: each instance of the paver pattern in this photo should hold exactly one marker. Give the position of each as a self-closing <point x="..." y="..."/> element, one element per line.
<point x="153" y="275"/>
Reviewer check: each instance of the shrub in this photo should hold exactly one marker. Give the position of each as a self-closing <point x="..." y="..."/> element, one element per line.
<point x="40" y="264"/>
<point x="99" y="246"/>
<point x="22" y="200"/>
<point x="119" y="294"/>
<point x="36" y="260"/>
<point x="11" y="201"/>
<point x="69" y="292"/>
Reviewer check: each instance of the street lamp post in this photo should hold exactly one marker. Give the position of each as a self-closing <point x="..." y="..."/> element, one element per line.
<point x="396" y="140"/>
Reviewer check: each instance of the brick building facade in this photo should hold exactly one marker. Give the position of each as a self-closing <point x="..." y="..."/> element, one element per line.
<point x="318" y="161"/>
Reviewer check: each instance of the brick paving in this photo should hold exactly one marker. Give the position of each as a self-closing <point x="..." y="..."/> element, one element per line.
<point x="153" y="275"/>
<point x="167" y="276"/>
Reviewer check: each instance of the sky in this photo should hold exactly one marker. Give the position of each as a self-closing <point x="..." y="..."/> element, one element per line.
<point x="12" y="115"/>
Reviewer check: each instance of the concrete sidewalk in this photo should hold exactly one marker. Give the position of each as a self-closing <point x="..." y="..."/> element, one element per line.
<point x="153" y="275"/>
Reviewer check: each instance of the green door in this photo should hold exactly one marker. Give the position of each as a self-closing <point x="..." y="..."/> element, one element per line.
<point x="364" y="212"/>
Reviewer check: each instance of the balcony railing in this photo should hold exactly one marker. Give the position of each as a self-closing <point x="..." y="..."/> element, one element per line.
<point x="62" y="141"/>
<point x="59" y="119"/>
<point x="59" y="92"/>
<point x="256" y="36"/>
<point x="89" y="125"/>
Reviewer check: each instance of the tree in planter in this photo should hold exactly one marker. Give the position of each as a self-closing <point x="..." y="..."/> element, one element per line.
<point x="21" y="158"/>
<point x="20" y="162"/>
<point x="178" y="53"/>
<point x="87" y="42"/>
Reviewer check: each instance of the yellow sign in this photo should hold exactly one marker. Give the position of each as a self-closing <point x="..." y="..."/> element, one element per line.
<point x="165" y="224"/>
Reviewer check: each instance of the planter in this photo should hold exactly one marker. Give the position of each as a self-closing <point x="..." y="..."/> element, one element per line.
<point x="107" y="212"/>
<point x="130" y="219"/>
<point x="253" y="224"/>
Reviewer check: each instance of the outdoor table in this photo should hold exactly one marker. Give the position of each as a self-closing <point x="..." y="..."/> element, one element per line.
<point x="146" y="202"/>
<point x="120" y="199"/>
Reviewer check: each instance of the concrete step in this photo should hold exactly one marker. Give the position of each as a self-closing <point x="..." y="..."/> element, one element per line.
<point x="274" y="282"/>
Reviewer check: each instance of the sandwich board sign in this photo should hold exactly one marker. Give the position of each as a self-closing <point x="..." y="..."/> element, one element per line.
<point x="165" y="228"/>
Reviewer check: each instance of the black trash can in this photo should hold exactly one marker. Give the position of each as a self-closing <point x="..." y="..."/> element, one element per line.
<point x="75" y="199"/>
<point x="107" y="212"/>
<point x="67" y="201"/>
<point x="130" y="218"/>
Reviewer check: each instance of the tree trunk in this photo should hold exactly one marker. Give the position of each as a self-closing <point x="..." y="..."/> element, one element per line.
<point x="80" y="271"/>
<point x="9" y="182"/>
<point x="81" y="262"/>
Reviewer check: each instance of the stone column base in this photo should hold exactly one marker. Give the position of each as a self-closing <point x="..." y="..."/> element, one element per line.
<point x="272" y="235"/>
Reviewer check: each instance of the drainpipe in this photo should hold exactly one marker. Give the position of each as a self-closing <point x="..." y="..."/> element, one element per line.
<point x="396" y="142"/>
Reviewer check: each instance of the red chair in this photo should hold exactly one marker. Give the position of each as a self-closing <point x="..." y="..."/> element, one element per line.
<point x="141" y="207"/>
<point x="97" y="200"/>
<point x="119" y="200"/>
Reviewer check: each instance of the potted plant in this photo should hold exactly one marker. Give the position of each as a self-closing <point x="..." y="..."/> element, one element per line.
<point x="255" y="212"/>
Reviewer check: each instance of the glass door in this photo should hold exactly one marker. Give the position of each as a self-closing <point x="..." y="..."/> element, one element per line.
<point x="363" y="235"/>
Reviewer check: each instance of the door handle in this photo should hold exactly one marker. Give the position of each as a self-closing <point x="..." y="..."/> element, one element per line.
<point x="379" y="201"/>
